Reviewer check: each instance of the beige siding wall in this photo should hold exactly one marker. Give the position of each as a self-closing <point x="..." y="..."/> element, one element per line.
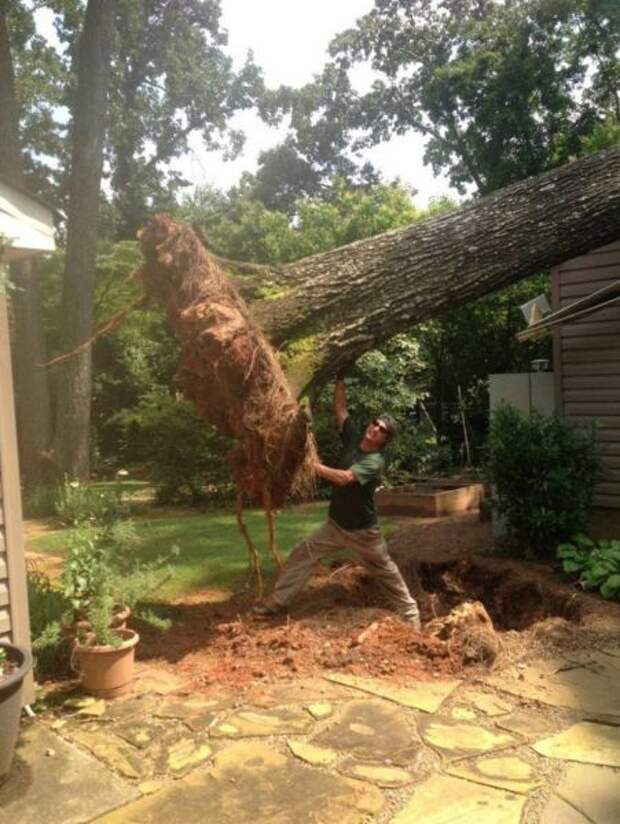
<point x="587" y="359"/>
<point x="5" y="615"/>
<point x="14" y="620"/>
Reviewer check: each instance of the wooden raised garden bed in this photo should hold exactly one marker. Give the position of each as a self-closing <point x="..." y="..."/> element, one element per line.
<point x="430" y="497"/>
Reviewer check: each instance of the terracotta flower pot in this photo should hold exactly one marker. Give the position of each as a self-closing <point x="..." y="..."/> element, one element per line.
<point x="11" y="704"/>
<point x="107" y="671"/>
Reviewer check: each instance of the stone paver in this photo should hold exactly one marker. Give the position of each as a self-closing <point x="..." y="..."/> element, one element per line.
<point x="93" y="708"/>
<point x="443" y="799"/>
<point x="584" y="742"/>
<point x="593" y="791"/>
<point x="504" y="773"/>
<point x="454" y="739"/>
<point x="311" y="754"/>
<point x="460" y="713"/>
<point x="587" y="682"/>
<point x="487" y="704"/>
<point x="320" y="710"/>
<point x="372" y="730"/>
<point x="139" y="734"/>
<point x="155" y="680"/>
<point x="196" y="713"/>
<point x="525" y="724"/>
<point x="387" y="777"/>
<point x="182" y="755"/>
<point x="53" y="781"/>
<point x="304" y="691"/>
<point x="252" y="782"/>
<point x="423" y="695"/>
<point x="250" y="723"/>
<point x="558" y="811"/>
<point x="115" y="753"/>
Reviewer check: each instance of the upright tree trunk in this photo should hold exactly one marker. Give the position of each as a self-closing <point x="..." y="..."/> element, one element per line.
<point x="336" y="305"/>
<point x="32" y="393"/>
<point x="72" y="442"/>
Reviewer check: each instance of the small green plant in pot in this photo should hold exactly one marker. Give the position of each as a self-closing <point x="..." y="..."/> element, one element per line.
<point x="86" y="575"/>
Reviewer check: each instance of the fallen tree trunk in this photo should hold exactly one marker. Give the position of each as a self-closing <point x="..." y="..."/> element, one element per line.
<point x="334" y="306"/>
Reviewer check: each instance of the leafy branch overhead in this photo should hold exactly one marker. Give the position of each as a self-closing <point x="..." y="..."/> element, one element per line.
<point x="499" y="91"/>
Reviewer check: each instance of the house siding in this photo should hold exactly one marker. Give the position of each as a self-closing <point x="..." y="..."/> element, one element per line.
<point x="14" y="619"/>
<point x="587" y="359"/>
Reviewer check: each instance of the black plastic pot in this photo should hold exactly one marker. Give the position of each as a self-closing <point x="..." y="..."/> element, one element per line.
<point x="11" y="704"/>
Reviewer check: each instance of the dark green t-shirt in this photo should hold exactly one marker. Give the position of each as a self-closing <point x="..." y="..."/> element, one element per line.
<point x="353" y="506"/>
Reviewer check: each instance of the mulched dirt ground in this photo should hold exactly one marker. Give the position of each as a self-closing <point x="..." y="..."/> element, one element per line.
<point x="340" y="622"/>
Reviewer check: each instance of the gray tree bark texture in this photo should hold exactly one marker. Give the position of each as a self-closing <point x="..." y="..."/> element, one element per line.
<point x="32" y="391"/>
<point x="74" y="387"/>
<point x="337" y="305"/>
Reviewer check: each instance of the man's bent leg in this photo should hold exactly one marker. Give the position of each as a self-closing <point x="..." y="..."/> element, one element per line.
<point x="302" y="560"/>
<point x="371" y="548"/>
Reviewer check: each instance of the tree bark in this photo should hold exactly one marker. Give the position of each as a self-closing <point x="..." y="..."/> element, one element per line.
<point x="337" y="305"/>
<point x="72" y="442"/>
<point x="32" y="392"/>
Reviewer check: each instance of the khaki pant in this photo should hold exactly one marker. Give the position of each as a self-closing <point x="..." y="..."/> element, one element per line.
<point x="369" y="547"/>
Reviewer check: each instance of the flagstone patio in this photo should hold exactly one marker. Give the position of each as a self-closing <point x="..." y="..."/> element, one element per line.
<point x="539" y="745"/>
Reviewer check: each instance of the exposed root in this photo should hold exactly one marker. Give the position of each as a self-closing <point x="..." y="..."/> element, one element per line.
<point x="107" y="326"/>
<point x="254" y="564"/>
<point x="228" y="368"/>
<point x="273" y="548"/>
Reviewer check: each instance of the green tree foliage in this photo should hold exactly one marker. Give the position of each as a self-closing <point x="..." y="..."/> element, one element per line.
<point x="501" y="90"/>
<point x="172" y="79"/>
<point x="241" y="228"/>
<point x="464" y="346"/>
<point x="41" y="77"/>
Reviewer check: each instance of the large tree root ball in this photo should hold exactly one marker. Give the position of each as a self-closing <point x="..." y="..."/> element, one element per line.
<point x="228" y="368"/>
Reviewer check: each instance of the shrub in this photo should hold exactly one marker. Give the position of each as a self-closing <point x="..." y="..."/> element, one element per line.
<point x="185" y="456"/>
<point x="78" y="504"/>
<point x="598" y="565"/>
<point x="544" y="471"/>
<point x="46" y="606"/>
<point x="102" y="575"/>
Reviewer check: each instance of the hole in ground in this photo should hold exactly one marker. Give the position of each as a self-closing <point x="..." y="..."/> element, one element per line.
<point x="515" y="595"/>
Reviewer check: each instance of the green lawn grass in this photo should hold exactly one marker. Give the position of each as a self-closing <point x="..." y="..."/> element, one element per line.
<point x="213" y="554"/>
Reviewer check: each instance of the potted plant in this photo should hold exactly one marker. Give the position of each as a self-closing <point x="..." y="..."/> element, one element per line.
<point x="15" y="663"/>
<point x="87" y="573"/>
<point x="105" y="656"/>
<point x="100" y="577"/>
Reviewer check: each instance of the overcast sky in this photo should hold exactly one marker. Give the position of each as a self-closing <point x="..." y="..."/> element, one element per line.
<point x="289" y="39"/>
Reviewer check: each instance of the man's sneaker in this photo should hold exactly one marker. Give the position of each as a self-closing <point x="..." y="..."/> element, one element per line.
<point x="267" y="610"/>
<point x="413" y="621"/>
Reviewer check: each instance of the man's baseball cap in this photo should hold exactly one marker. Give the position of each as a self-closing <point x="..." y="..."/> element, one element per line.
<point x="390" y="425"/>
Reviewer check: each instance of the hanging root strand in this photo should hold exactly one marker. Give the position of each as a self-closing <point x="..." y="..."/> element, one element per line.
<point x="254" y="565"/>
<point x="107" y="326"/>
<point x="273" y="547"/>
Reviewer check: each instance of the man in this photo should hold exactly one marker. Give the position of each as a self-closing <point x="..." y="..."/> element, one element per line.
<point x="352" y="520"/>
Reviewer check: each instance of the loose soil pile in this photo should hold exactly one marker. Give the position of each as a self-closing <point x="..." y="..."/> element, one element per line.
<point x="479" y="612"/>
<point x="228" y="368"/>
